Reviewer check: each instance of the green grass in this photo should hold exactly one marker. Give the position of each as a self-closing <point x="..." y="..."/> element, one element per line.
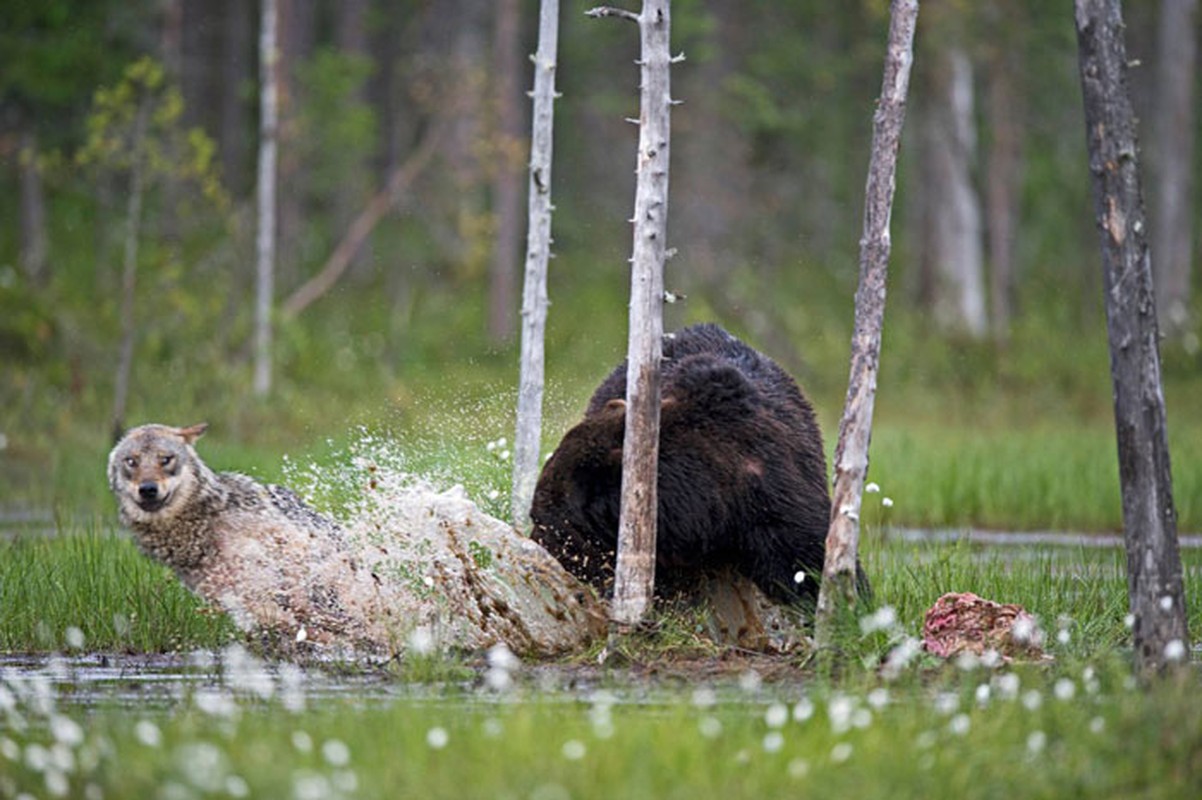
<point x="1069" y="731"/>
<point x="96" y="583"/>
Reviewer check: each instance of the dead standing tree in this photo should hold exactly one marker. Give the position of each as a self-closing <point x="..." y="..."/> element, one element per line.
<point x="634" y="575"/>
<point x="855" y="429"/>
<point x="265" y="239"/>
<point x="538" y="253"/>
<point x="1154" y="581"/>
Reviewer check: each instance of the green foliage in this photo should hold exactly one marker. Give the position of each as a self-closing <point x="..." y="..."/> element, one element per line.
<point x="117" y="139"/>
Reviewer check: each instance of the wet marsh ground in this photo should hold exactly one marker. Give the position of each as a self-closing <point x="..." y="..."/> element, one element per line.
<point x="173" y="703"/>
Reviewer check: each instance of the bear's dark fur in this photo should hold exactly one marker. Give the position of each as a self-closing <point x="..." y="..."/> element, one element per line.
<point x="742" y="474"/>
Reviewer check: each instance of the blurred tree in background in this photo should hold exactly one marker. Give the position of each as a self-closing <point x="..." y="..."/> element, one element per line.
<point x="994" y="241"/>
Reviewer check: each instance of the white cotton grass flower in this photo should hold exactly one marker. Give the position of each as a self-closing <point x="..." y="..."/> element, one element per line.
<point x="704" y="697"/>
<point x="871" y="487"/>
<point x="302" y="741"/>
<point x="799" y="577"/>
<point x="803" y="709"/>
<point x="66" y="730"/>
<point x="798" y="768"/>
<point x="967" y="661"/>
<point x="215" y="703"/>
<point x="1174" y="651"/>
<point x="776" y="715"/>
<point x="307" y="785"/>
<point x="883" y="619"/>
<point x="10" y="749"/>
<point x="878" y="698"/>
<point x="709" y="727"/>
<point x="1032" y="700"/>
<point x="74" y="638"/>
<point x="148" y="733"/>
<point x="1036" y="742"/>
<point x="773" y="742"/>
<point x="1166" y="603"/>
<point x="959" y="724"/>
<point x="437" y="738"/>
<point x="1064" y="689"/>
<point x="336" y="753"/>
<point x="839" y="711"/>
<point x="983" y="693"/>
<point x="1063" y="636"/>
<point x="840" y="753"/>
<point x="236" y="786"/>
<point x="1097" y="725"/>
<point x="573" y="750"/>
<point x="900" y="657"/>
<point x="1007" y="685"/>
<point x="1129" y="621"/>
<point x="887" y="502"/>
<point x="750" y="681"/>
<point x="202" y="765"/>
<point x="947" y="703"/>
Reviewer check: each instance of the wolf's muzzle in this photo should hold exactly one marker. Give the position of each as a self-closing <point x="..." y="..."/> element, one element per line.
<point x="149" y="496"/>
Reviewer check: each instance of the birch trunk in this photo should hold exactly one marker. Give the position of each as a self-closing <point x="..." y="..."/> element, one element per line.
<point x="538" y="252"/>
<point x="955" y="204"/>
<point x="1154" y="579"/>
<point x="1173" y="223"/>
<point x="265" y="241"/>
<point x="634" y="574"/>
<point x="855" y="429"/>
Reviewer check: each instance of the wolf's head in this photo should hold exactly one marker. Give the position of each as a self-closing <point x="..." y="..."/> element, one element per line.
<point x="154" y="472"/>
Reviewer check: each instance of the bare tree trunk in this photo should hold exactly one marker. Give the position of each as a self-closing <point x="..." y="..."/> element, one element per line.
<point x="634" y="574"/>
<point x="129" y="270"/>
<point x="1173" y="162"/>
<point x="1154" y="579"/>
<point x="265" y="240"/>
<point x="954" y="204"/>
<point x="34" y="249"/>
<point x="538" y="252"/>
<point x="855" y="429"/>
<point x="507" y="171"/>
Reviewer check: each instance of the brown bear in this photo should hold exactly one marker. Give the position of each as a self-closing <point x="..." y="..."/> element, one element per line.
<point x="742" y="474"/>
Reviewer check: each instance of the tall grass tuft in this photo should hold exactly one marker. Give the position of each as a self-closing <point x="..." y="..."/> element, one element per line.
<point x="92" y="589"/>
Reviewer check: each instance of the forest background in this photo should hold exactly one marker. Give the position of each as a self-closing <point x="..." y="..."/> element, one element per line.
<point x="994" y="403"/>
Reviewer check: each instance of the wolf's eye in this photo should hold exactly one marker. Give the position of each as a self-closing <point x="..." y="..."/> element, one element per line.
<point x="165" y="461"/>
<point x="131" y="462"/>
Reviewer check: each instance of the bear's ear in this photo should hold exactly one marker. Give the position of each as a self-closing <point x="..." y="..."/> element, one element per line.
<point x="617" y="404"/>
<point x="192" y="433"/>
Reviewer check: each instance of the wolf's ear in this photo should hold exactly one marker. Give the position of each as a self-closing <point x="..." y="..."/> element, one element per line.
<point x="191" y="434"/>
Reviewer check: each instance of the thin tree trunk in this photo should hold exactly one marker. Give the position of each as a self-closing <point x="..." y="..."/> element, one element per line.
<point x="363" y="224"/>
<point x="634" y="574"/>
<point x="265" y="240"/>
<point x="507" y="172"/>
<point x="34" y="249"/>
<point x="1154" y="579"/>
<point x="855" y="429"/>
<point x="538" y="252"/>
<point x="1172" y="225"/>
<point x="955" y="204"/>
<point x="129" y="270"/>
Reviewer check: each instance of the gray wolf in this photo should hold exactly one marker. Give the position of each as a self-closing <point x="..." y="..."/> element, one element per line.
<point x="419" y="559"/>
